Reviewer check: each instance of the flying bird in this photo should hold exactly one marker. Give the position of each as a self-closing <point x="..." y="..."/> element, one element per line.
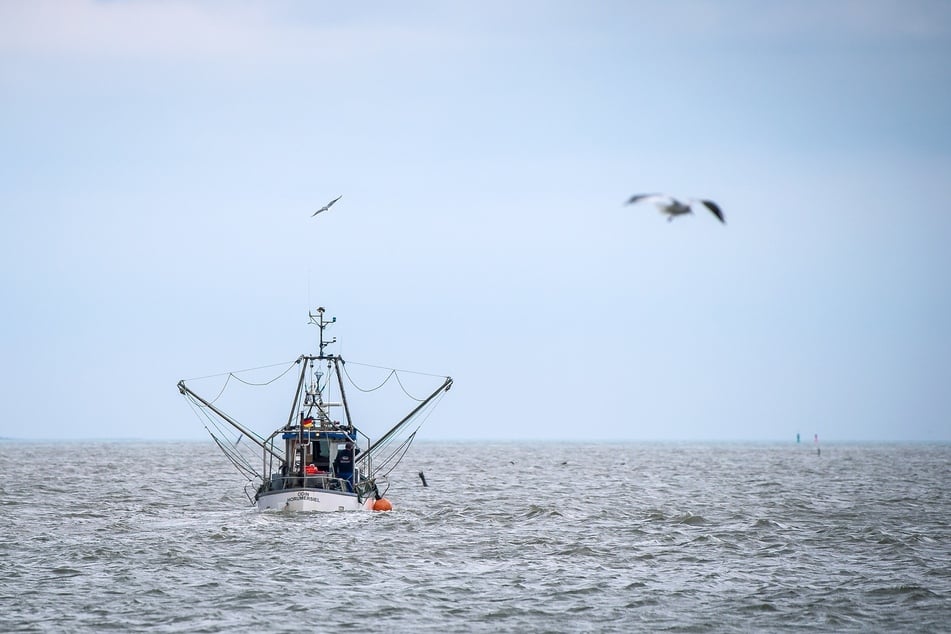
<point x="327" y="206"/>
<point x="673" y="207"/>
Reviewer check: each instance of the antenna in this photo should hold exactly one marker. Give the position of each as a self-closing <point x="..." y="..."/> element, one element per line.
<point x="322" y="323"/>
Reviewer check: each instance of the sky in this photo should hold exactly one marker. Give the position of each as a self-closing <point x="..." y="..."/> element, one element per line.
<point x="160" y="162"/>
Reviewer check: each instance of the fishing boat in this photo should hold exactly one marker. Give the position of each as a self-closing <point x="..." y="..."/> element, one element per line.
<point x="318" y="460"/>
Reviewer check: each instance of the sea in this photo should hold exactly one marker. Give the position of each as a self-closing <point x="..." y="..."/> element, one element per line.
<point x="504" y="537"/>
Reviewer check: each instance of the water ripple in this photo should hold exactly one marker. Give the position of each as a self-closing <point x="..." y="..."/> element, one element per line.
<point x="685" y="538"/>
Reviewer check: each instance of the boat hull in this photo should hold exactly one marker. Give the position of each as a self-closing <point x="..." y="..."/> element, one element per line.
<point x="312" y="500"/>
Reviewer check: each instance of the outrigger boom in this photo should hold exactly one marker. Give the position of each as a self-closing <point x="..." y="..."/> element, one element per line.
<point x="241" y="428"/>
<point x="395" y="429"/>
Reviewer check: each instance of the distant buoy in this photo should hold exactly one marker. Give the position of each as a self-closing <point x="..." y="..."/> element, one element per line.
<point x="382" y="505"/>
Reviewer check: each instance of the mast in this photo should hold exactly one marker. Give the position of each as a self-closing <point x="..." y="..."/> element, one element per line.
<point x="317" y="398"/>
<point x="343" y="394"/>
<point x="321" y="323"/>
<point x="300" y="382"/>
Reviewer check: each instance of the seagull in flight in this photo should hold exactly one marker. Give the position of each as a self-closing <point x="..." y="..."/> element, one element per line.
<point x="327" y="206"/>
<point x="673" y="207"/>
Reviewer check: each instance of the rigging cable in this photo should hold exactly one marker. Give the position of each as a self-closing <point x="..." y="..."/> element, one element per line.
<point x="353" y="383"/>
<point x="401" y="450"/>
<point x="404" y="445"/>
<point x="240" y="461"/>
<point x="260" y="367"/>
<point x="418" y="400"/>
<point x="293" y="363"/>
<point x="233" y="374"/>
<point x="393" y="373"/>
<point x="222" y="388"/>
<point x="380" y="367"/>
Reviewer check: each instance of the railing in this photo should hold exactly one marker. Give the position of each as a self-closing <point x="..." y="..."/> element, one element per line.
<point x="325" y="481"/>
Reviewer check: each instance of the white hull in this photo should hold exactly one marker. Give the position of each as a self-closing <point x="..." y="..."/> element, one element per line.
<point x="312" y="500"/>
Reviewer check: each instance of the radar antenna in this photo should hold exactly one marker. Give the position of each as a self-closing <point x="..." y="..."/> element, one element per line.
<point x="322" y="323"/>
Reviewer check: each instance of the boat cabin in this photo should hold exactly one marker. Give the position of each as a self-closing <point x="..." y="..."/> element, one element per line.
<point x="316" y="458"/>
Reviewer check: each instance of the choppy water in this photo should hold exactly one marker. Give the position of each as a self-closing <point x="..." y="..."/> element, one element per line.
<point x="506" y="538"/>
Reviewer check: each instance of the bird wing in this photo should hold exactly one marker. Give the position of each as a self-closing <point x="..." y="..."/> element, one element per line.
<point x="327" y="206"/>
<point x="712" y="206"/>
<point x="636" y="197"/>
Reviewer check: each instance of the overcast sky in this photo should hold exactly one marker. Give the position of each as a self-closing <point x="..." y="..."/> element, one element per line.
<point x="160" y="162"/>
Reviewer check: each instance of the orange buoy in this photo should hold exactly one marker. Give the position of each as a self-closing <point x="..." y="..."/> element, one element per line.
<point x="382" y="505"/>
